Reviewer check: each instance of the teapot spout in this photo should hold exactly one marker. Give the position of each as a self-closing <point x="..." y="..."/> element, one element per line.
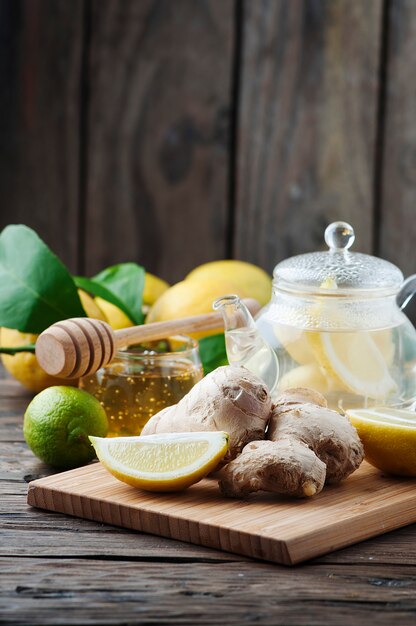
<point x="234" y="312"/>
<point x="244" y="344"/>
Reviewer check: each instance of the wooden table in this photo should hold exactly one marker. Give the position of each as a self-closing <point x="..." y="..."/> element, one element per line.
<point x="56" y="569"/>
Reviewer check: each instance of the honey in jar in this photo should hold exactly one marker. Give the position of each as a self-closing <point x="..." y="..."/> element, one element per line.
<point x="144" y="379"/>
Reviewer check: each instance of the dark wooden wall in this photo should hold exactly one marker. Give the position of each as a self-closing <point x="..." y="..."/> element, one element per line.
<point x="172" y="132"/>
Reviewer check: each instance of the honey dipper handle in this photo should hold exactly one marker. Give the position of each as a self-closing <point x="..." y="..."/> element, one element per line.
<point x="79" y="346"/>
<point x="161" y="330"/>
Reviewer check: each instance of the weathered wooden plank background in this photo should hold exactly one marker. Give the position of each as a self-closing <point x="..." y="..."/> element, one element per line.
<point x="172" y="133"/>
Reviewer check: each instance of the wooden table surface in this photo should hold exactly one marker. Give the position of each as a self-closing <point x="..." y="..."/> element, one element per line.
<point x="56" y="569"/>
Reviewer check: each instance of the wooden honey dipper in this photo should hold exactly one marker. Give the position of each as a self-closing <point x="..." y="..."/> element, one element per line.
<point x="81" y="345"/>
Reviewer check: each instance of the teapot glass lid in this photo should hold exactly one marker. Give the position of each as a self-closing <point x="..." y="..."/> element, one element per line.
<point x="338" y="271"/>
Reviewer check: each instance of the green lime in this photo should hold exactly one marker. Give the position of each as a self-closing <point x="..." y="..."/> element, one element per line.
<point x="58" y="422"/>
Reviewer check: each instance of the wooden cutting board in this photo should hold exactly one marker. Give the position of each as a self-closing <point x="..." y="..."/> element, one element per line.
<point x="263" y="526"/>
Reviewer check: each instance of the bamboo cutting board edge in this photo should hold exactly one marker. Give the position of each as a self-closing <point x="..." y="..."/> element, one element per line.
<point x="152" y="513"/>
<point x="159" y="524"/>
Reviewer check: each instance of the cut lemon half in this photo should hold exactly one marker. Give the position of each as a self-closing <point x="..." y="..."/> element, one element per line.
<point x="164" y="462"/>
<point x="389" y="438"/>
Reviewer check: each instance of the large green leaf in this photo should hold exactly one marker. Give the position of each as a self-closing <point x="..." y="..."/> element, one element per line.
<point x="36" y="289"/>
<point x="126" y="281"/>
<point x="89" y="285"/>
<point x="212" y="352"/>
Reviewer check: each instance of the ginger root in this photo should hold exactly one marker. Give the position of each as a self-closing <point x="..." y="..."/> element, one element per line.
<point x="300" y="395"/>
<point x="230" y="399"/>
<point x="307" y="445"/>
<point x="302" y="415"/>
<point x="285" y="466"/>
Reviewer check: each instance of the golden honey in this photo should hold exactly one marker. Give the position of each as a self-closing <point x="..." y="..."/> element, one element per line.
<point x="144" y="380"/>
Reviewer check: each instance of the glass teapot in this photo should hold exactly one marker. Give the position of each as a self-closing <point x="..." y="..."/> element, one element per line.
<point x="334" y="324"/>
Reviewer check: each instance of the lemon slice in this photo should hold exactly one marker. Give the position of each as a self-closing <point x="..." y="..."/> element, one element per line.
<point x="384" y="342"/>
<point x="304" y="376"/>
<point x="355" y="360"/>
<point x="297" y="342"/>
<point x="389" y="438"/>
<point x="164" y="462"/>
<point x="351" y="361"/>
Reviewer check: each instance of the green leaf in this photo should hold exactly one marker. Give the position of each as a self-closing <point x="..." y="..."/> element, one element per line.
<point x="126" y="281"/>
<point x="89" y="285"/>
<point x="213" y="353"/>
<point x="36" y="289"/>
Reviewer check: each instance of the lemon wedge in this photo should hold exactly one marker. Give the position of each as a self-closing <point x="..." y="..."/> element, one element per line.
<point x="164" y="462"/>
<point x="389" y="438"/>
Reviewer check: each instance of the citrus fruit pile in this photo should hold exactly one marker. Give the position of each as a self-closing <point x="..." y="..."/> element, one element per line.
<point x="165" y="462"/>
<point x="195" y="294"/>
<point x="192" y="296"/>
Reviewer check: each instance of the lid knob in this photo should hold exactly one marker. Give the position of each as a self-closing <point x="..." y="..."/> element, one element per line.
<point x="339" y="236"/>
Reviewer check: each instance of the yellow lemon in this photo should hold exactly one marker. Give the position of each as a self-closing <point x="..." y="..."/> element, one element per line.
<point x="389" y="438"/>
<point x="153" y="288"/>
<point x="23" y="366"/>
<point x="114" y="316"/>
<point x="164" y="462"/>
<point x="58" y="422"/>
<point x="253" y="280"/>
<point x="90" y="306"/>
<point x="191" y="297"/>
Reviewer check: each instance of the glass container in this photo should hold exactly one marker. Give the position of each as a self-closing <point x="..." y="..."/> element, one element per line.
<point x="144" y="379"/>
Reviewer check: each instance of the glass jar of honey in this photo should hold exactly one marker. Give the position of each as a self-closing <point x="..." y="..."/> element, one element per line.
<point x="144" y="379"/>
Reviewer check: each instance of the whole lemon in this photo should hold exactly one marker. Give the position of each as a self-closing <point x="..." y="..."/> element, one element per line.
<point x="191" y="297"/>
<point x="153" y="288"/>
<point x="58" y="422"/>
<point x="90" y="306"/>
<point x="114" y="316"/>
<point x="23" y="366"/>
<point x="253" y="280"/>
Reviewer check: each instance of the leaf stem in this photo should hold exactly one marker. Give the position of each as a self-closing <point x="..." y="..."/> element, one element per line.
<point x="12" y="351"/>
